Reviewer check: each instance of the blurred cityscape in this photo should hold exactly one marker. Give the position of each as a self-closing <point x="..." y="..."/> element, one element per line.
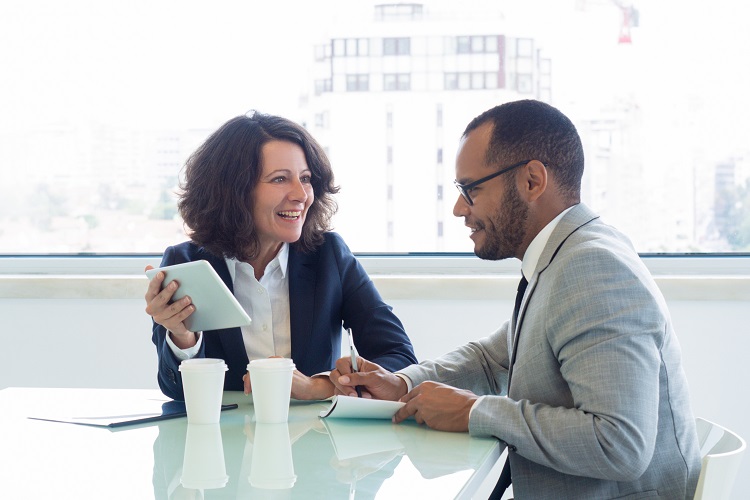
<point x="388" y="89"/>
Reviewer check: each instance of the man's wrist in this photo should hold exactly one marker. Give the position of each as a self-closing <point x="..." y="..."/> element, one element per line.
<point x="406" y="385"/>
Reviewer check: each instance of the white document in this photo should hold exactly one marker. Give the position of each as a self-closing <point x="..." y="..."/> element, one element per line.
<point x="352" y="407"/>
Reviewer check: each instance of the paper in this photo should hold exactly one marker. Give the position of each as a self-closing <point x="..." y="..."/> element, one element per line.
<point x="352" y="407"/>
<point x="123" y="413"/>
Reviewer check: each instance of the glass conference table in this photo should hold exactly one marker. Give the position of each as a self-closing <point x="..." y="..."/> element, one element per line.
<point x="307" y="457"/>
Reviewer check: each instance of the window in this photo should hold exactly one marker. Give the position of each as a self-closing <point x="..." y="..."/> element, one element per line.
<point x="322" y="86"/>
<point x="476" y="44"/>
<point x="350" y="47"/>
<point x="397" y="81"/>
<point x="470" y="81"/>
<point x="357" y="83"/>
<point x="396" y="46"/>
<point x="105" y="101"/>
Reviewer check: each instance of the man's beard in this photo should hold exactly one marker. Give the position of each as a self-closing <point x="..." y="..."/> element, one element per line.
<point x="506" y="229"/>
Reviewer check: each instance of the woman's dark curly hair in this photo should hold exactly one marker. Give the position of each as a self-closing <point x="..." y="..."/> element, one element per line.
<point x="216" y="201"/>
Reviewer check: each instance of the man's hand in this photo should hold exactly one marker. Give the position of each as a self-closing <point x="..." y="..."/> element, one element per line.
<point x="376" y="382"/>
<point x="439" y="406"/>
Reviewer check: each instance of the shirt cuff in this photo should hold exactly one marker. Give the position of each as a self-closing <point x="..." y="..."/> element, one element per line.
<point x="321" y="374"/>
<point x="183" y="354"/>
<point x="479" y="400"/>
<point x="409" y="385"/>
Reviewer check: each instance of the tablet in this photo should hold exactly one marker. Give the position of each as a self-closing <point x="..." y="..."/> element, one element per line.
<point x="215" y="306"/>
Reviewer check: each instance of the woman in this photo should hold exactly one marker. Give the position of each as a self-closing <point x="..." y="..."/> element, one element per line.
<point x="257" y="199"/>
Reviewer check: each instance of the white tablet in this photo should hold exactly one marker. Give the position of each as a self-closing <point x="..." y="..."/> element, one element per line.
<point x="215" y="306"/>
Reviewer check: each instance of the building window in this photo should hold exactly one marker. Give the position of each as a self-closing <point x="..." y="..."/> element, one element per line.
<point x="357" y="83"/>
<point x="463" y="44"/>
<point x="397" y="81"/>
<point x="321" y="120"/>
<point x="363" y="47"/>
<point x="524" y="84"/>
<point x="339" y="47"/>
<point x="323" y="85"/>
<point x="389" y="119"/>
<point x="389" y="155"/>
<point x="393" y="12"/>
<point x="389" y="192"/>
<point x="524" y="48"/>
<point x="476" y="44"/>
<point x="322" y="52"/>
<point x="439" y="118"/>
<point x="440" y="156"/>
<point x="440" y="229"/>
<point x="491" y="44"/>
<point x="471" y="81"/>
<point x="351" y="47"/>
<point x="451" y="83"/>
<point x="439" y="192"/>
<point x="396" y="46"/>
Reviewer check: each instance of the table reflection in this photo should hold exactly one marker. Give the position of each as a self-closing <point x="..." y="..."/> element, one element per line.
<point x="307" y="457"/>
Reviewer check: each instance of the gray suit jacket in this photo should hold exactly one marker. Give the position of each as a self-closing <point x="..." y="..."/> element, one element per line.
<point x="598" y="405"/>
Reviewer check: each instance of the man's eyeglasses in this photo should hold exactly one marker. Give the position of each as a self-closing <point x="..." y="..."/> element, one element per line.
<point x="465" y="189"/>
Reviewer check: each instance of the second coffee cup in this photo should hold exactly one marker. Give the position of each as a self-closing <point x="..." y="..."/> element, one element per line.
<point x="271" y="381"/>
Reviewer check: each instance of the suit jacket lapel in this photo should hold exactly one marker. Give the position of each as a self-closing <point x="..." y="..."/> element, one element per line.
<point x="577" y="217"/>
<point x="301" y="299"/>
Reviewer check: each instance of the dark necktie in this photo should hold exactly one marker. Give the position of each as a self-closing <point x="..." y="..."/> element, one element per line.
<point x="504" y="481"/>
<point x="516" y="330"/>
<point x="519" y="295"/>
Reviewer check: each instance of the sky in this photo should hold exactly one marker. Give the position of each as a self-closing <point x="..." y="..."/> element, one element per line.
<point x="188" y="63"/>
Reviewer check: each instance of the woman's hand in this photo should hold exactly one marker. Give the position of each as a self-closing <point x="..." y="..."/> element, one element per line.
<point x="303" y="387"/>
<point x="170" y="316"/>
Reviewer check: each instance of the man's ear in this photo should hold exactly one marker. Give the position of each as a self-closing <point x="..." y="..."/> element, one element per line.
<point x="534" y="180"/>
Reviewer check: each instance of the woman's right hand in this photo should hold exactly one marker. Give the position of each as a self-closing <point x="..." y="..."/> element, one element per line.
<point x="170" y="316"/>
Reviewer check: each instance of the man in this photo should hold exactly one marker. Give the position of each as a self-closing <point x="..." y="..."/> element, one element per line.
<point x="584" y="384"/>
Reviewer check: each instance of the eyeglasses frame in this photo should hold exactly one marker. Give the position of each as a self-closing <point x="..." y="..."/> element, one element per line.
<point x="465" y="188"/>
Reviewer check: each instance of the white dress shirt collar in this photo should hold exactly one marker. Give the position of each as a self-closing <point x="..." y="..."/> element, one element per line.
<point x="531" y="257"/>
<point x="281" y="260"/>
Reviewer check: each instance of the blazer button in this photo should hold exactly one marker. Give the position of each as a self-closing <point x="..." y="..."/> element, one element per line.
<point x="512" y="448"/>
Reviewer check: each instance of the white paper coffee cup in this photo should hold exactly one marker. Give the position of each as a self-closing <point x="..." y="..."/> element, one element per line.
<point x="203" y="464"/>
<point x="272" y="467"/>
<point x="203" y="385"/>
<point x="271" y="381"/>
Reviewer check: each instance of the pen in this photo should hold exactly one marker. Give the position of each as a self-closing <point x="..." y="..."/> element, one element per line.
<point x="353" y="352"/>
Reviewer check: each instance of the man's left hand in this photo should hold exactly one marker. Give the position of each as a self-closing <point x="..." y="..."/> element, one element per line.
<point x="439" y="406"/>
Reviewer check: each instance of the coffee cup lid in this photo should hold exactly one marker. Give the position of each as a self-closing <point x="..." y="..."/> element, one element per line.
<point x="203" y="364"/>
<point x="272" y="364"/>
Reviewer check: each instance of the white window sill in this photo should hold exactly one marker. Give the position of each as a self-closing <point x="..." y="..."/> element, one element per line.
<point x="397" y="277"/>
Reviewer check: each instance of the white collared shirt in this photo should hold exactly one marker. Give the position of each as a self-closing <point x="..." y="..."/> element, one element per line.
<point x="532" y="254"/>
<point x="266" y="302"/>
